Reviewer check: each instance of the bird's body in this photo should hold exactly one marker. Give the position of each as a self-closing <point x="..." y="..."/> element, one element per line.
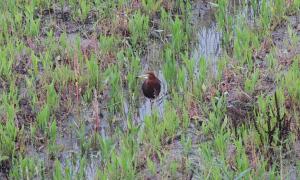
<point x="151" y="89"/>
<point x="151" y="86"/>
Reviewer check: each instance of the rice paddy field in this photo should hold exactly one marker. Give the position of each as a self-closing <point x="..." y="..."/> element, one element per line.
<point x="71" y="106"/>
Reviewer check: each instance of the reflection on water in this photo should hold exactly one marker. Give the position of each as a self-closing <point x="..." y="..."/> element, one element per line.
<point x="208" y="43"/>
<point x="209" y="46"/>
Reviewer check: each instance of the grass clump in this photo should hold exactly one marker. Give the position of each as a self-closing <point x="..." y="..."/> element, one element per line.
<point x="139" y="29"/>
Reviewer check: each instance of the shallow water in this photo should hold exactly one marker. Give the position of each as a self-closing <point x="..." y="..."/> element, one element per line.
<point x="208" y="43"/>
<point x="145" y="108"/>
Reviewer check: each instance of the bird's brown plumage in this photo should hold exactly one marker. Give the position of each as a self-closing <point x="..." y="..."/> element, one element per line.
<point x="151" y="86"/>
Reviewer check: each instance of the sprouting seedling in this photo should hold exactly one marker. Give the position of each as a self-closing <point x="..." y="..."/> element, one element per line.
<point x="265" y="15"/>
<point x="108" y="44"/>
<point x="202" y="69"/>
<point x="94" y="72"/>
<point x="134" y="69"/>
<point x="178" y="35"/>
<point x="189" y="64"/>
<point x="43" y="118"/>
<point x="251" y="83"/>
<point x="151" y="6"/>
<point x="169" y="68"/>
<point x="294" y="39"/>
<point x="84" y="9"/>
<point x="181" y="79"/>
<point x="34" y="60"/>
<point x="8" y="131"/>
<point x="52" y="97"/>
<point x="165" y="21"/>
<point x="6" y="64"/>
<point x="139" y="29"/>
<point x="116" y="101"/>
<point x="96" y="116"/>
<point x="58" y="173"/>
<point x="52" y="134"/>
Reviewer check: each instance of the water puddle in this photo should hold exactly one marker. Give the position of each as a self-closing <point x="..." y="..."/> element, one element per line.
<point x="208" y="43"/>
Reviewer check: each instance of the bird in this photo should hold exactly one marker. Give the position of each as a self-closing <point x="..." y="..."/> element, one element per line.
<point x="151" y="86"/>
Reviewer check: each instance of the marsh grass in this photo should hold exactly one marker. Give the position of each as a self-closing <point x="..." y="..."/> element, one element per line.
<point x="139" y="29"/>
<point x="270" y="108"/>
<point x="48" y="77"/>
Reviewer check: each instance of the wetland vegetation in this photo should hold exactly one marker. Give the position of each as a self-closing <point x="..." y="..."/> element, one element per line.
<point x="71" y="106"/>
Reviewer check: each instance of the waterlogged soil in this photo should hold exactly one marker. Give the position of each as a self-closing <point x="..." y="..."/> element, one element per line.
<point x="207" y="45"/>
<point x="240" y="105"/>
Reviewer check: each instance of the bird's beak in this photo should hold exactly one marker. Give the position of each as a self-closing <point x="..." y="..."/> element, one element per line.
<point x="144" y="76"/>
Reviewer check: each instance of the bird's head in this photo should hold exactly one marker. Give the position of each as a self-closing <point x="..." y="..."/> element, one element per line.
<point x="148" y="76"/>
